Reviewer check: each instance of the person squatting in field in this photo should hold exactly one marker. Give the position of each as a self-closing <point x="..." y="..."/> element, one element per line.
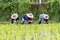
<point x="14" y="17"/>
<point x="43" y="17"/>
<point x="27" y="17"/>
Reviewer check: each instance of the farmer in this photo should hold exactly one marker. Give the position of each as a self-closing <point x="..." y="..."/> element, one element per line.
<point x="27" y="17"/>
<point x="43" y="17"/>
<point x="14" y="17"/>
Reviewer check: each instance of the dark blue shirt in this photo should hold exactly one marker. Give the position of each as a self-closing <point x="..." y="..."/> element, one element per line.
<point x="26" y="17"/>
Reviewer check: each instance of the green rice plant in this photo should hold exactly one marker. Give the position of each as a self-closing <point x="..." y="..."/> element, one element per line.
<point x="30" y="32"/>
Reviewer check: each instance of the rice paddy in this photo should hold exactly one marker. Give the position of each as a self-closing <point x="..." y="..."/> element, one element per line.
<point x="30" y="32"/>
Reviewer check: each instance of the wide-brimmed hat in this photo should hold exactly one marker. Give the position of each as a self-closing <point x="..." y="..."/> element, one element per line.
<point x="30" y="15"/>
<point x="14" y="16"/>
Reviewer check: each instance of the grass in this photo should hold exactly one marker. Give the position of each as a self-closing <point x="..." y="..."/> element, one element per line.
<point x="30" y="32"/>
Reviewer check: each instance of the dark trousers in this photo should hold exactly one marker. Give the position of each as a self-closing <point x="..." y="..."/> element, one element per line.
<point x="27" y="21"/>
<point x="46" y="20"/>
<point x="12" y="20"/>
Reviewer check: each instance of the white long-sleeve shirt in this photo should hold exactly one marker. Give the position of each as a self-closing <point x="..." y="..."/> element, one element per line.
<point x="43" y="16"/>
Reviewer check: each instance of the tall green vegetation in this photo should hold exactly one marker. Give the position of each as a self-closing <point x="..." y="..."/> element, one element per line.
<point x="7" y="7"/>
<point x="54" y="10"/>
